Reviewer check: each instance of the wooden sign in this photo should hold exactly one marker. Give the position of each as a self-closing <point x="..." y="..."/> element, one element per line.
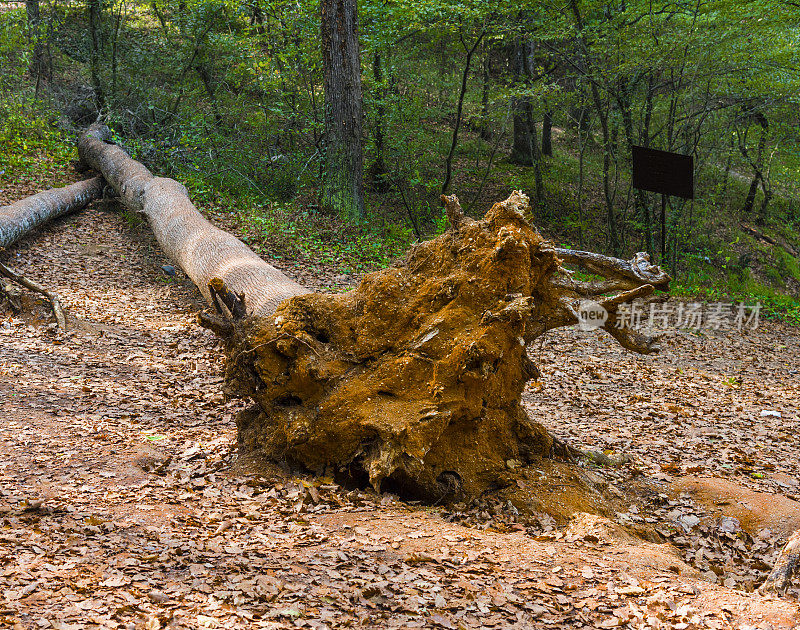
<point x="663" y="172"/>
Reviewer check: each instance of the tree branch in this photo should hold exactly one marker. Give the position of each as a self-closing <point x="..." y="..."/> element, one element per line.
<point x="55" y="301"/>
<point x="637" y="271"/>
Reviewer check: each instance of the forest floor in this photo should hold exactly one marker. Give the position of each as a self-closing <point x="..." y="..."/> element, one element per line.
<point x="124" y="504"/>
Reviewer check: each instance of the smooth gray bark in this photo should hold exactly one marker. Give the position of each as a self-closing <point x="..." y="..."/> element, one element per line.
<point x="203" y="251"/>
<point x="22" y="216"/>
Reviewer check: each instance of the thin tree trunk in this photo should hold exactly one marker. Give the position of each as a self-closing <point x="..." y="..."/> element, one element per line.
<point x="114" y="50"/>
<point x="36" y="68"/>
<point x="204" y="252"/>
<point x="27" y="214"/>
<point x="757" y="164"/>
<point x="94" y="35"/>
<point x="343" y="179"/>
<point x="205" y="77"/>
<point x="377" y="172"/>
<point x="640" y="197"/>
<point x="522" y="148"/>
<point x="195" y="52"/>
<point x="582" y="144"/>
<point x="536" y="161"/>
<point x="526" y="150"/>
<point x="768" y="194"/>
<point x="547" y="134"/>
<point x="182" y="16"/>
<point x="448" y="164"/>
<point x="613" y="236"/>
<point x="485" y="134"/>
<point x="159" y="15"/>
<point x="727" y="173"/>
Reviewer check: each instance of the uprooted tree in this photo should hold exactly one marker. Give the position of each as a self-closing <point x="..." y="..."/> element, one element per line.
<point x="414" y="379"/>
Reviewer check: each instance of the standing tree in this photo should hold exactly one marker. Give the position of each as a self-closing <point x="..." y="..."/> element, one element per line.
<point x="343" y="187"/>
<point x="94" y="8"/>
<point x="34" y="26"/>
<point x="525" y="150"/>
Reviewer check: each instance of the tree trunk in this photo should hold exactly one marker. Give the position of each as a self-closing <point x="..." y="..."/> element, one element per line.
<point x="36" y="68"/>
<point x="342" y="186"/>
<point x="378" y="176"/>
<point x="204" y="252"/>
<point x="27" y="214"/>
<point x="448" y="163"/>
<point x="484" y="132"/>
<point x="522" y="149"/>
<point x="547" y="134"/>
<point x="603" y="116"/>
<point x="757" y="163"/>
<point x="526" y="150"/>
<point x="94" y="35"/>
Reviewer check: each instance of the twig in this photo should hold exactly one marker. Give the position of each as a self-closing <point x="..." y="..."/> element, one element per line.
<point x="500" y="137"/>
<point x="408" y="207"/>
<point x="55" y="301"/>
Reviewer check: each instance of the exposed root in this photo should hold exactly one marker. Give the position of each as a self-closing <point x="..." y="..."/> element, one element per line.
<point x="785" y="567"/>
<point x="413" y="380"/>
<point x="55" y="301"/>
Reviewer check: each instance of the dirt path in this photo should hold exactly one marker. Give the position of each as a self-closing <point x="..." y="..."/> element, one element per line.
<point x="124" y="505"/>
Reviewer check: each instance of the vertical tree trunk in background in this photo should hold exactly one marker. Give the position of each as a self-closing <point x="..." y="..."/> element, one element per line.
<point x="208" y="83"/>
<point x="377" y="172"/>
<point x="522" y="148"/>
<point x="603" y="116"/>
<point x="757" y="164"/>
<point x="182" y="16"/>
<point x="526" y="150"/>
<point x="115" y="49"/>
<point x="257" y="17"/>
<point x="448" y="164"/>
<point x="485" y="135"/>
<point x="547" y="134"/>
<point x="342" y="186"/>
<point x="36" y="68"/>
<point x="641" y="205"/>
<point x="93" y="7"/>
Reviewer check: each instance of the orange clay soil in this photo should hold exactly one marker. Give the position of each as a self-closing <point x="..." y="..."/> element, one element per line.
<point x="413" y="380"/>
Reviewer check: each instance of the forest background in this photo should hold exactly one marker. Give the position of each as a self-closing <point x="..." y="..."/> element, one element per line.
<point x="474" y="98"/>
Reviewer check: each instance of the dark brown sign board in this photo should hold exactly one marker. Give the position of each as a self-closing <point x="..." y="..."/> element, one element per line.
<point x="663" y="172"/>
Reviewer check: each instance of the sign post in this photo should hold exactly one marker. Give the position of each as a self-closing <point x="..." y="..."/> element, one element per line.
<point x="666" y="173"/>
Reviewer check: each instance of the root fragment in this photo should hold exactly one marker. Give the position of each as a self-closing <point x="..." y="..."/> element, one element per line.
<point x="55" y="301"/>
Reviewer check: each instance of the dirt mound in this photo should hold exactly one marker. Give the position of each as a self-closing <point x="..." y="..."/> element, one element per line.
<point x="755" y="511"/>
<point x="413" y="381"/>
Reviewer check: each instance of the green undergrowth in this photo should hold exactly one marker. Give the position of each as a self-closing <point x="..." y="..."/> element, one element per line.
<point x="296" y="234"/>
<point x="31" y="147"/>
<point x="774" y="305"/>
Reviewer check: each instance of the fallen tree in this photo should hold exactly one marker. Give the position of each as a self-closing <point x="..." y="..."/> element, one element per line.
<point x="203" y="251"/>
<point x="25" y="215"/>
<point x="414" y="379"/>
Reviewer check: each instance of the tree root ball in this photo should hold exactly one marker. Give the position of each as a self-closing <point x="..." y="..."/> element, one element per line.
<point x="413" y="380"/>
